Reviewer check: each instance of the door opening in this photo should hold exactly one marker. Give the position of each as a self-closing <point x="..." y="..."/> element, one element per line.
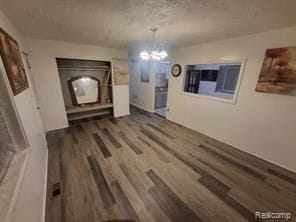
<point x="161" y="88"/>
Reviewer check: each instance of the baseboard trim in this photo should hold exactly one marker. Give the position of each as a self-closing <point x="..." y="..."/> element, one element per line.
<point x="123" y="114"/>
<point x="241" y="150"/>
<point x="143" y="108"/>
<point x="45" y="188"/>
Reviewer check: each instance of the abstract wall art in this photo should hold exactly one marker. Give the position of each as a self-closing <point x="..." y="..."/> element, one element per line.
<point x="120" y="69"/>
<point x="278" y="72"/>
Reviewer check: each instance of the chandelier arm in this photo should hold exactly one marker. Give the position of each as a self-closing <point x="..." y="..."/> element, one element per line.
<point x="154" y="52"/>
<point x="153" y="43"/>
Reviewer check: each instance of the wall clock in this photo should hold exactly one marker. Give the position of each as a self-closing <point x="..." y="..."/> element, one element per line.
<point x="176" y="70"/>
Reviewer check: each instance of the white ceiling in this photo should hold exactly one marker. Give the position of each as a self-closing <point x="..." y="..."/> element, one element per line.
<point x="121" y="23"/>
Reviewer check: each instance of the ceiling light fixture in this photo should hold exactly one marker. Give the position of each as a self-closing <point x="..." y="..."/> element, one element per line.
<point x="154" y="53"/>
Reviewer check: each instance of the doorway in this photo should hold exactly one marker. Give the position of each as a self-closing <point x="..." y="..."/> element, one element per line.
<point x="161" y="88"/>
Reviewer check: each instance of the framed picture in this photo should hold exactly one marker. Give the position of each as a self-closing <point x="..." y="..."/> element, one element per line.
<point x="278" y="72"/>
<point x="13" y="63"/>
<point x="144" y="71"/>
<point x="120" y="69"/>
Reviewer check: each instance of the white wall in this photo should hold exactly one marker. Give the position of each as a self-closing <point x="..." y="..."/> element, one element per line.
<point x="141" y="93"/>
<point x="121" y="100"/>
<point x="260" y="123"/>
<point x="46" y="77"/>
<point x="120" y="92"/>
<point x="30" y="199"/>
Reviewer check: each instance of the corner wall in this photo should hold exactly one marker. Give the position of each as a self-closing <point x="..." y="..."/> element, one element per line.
<point x="47" y="82"/>
<point x="260" y="123"/>
<point x="141" y="93"/>
<point x="30" y="199"/>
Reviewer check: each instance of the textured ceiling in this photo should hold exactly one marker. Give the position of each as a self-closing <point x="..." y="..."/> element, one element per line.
<point x="122" y="23"/>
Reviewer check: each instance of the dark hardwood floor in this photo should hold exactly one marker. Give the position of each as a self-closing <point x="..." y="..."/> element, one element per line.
<point x="144" y="168"/>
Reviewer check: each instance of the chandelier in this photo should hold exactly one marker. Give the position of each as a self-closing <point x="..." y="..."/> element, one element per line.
<point x="154" y="53"/>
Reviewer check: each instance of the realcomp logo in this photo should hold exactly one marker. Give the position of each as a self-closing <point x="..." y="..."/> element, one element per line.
<point x="272" y="216"/>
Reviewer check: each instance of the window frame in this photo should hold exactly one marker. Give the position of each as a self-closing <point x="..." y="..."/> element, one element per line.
<point x="223" y="90"/>
<point x="233" y="100"/>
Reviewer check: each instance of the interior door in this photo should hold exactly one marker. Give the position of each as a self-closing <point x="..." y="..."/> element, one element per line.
<point x="38" y="124"/>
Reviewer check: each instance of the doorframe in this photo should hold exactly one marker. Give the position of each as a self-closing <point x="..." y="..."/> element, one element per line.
<point x="154" y="86"/>
<point x="34" y="96"/>
<point x="11" y="98"/>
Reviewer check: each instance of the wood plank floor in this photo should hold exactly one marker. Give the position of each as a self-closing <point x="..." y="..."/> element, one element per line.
<point x="144" y="168"/>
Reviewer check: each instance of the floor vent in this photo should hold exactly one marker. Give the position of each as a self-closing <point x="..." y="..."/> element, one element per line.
<point x="56" y="190"/>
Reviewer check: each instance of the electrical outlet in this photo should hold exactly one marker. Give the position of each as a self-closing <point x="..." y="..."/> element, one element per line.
<point x="168" y="109"/>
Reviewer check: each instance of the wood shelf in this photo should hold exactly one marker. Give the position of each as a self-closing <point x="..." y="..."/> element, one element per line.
<point x="87" y="115"/>
<point x="105" y="68"/>
<point x="80" y="109"/>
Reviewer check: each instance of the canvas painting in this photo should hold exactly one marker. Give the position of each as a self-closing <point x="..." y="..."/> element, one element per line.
<point x="120" y="69"/>
<point x="144" y="71"/>
<point x="13" y="63"/>
<point x="278" y="72"/>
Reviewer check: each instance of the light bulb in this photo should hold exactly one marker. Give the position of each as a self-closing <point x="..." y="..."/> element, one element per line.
<point x="145" y="55"/>
<point x="163" y="54"/>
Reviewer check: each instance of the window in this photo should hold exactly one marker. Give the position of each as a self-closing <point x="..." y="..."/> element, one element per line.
<point x="192" y="81"/>
<point x="228" y="76"/>
<point x="209" y="75"/>
<point x="215" y="80"/>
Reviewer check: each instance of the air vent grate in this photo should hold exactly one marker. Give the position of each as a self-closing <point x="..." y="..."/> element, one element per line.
<point x="56" y="190"/>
